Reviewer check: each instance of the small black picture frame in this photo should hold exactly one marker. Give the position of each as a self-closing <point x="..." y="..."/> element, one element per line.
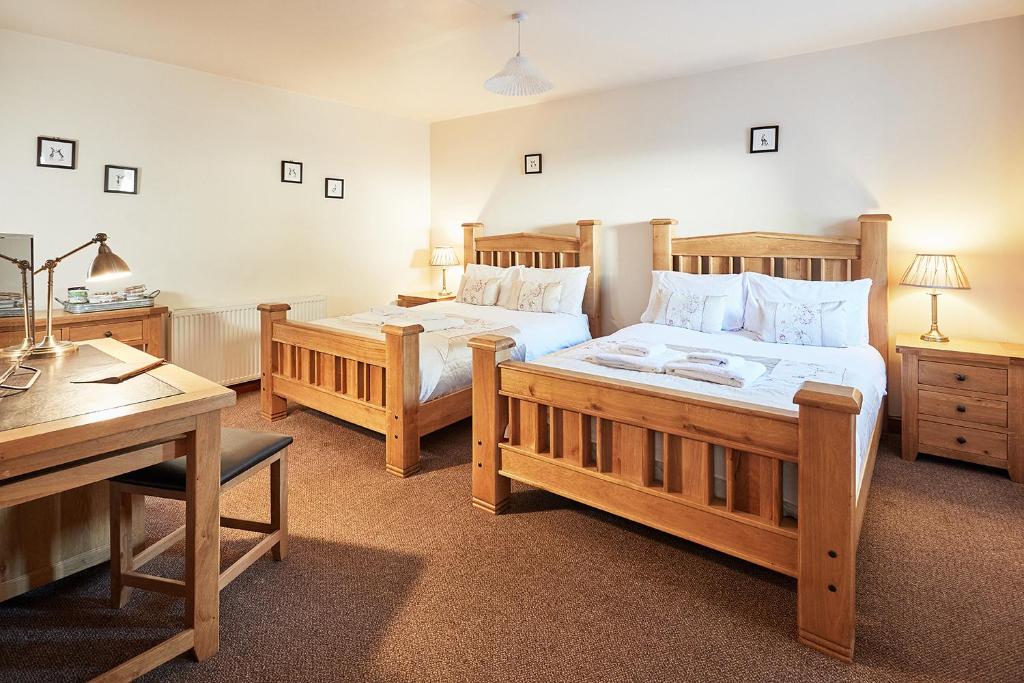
<point x="764" y="139"/>
<point x="533" y="163"/>
<point x="56" y="153"/>
<point x="334" y="188"/>
<point x="120" y="179"/>
<point x="291" y="172"/>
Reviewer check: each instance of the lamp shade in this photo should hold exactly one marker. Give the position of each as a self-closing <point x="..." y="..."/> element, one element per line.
<point x="935" y="271"/>
<point x="519" y="78"/>
<point x="444" y="256"/>
<point x="107" y="266"/>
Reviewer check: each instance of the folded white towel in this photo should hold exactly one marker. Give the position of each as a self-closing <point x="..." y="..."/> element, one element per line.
<point x="715" y="358"/>
<point x="734" y="376"/>
<point x="428" y="324"/>
<point x="369" y="318"/>
<point x="639" y="348"/>
<point x="388" y="309"/>
<point x="623" y="361"/>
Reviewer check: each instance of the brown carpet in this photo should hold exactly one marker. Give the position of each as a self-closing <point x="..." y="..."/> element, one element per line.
<point x="393" y="580"/>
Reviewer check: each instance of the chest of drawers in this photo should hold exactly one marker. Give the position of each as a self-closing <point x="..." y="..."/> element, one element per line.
<point x="964" y="399"/>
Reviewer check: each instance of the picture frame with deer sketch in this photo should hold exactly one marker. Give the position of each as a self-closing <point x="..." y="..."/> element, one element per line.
<point x="764" y="139"/>
<point x="291" y="172"/>
<point x="56" y="153"/>
<point x="120" y="179"/>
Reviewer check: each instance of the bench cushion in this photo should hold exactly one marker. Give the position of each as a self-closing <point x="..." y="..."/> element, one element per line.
<point x="240" y="451"/>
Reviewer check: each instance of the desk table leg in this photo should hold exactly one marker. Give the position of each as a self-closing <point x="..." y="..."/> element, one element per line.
<point x="202" y="535"/>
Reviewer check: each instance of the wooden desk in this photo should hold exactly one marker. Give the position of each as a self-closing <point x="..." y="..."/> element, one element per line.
<point x="47" y="458"/>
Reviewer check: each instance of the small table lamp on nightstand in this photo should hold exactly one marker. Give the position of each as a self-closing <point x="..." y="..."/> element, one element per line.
<point x="445" y="258"/>
<point x="935" y="271"/>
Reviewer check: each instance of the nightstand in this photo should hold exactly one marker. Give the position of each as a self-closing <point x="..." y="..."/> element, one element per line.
<point x="418" y="298"/>
<point x="964" y="399"/>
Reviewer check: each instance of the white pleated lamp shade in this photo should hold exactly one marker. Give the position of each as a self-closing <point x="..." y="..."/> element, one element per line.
<point x="444" y="256"/>
<point x="519" y="78"/>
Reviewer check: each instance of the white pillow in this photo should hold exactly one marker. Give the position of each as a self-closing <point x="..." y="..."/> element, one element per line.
<point x="573" y="281"/>
<point x="537" y="297"/>
<point x="732" y="287"/>
<point x="682" y="309"/>
<point x="822" y="324"/>
<point x="505" y="275"/>
<point x="762" y="289"/>
<point x="479" y="291"/>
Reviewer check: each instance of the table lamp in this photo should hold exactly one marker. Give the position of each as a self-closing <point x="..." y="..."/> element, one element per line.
<point x="445" y="258"/>
<point x="935" y="271"/>
<point x="106" y="266"/>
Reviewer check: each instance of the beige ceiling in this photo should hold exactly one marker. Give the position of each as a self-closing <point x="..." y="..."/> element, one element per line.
<point x="427" y="59"/>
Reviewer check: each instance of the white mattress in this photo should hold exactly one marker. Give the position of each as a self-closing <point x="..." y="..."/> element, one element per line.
<point x="446" y="363"/>
<point x="860" y="367"/>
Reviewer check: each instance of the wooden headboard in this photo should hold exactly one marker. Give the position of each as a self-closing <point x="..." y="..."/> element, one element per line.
<point x="802" y="257"/>
<point x="535" y="250"/>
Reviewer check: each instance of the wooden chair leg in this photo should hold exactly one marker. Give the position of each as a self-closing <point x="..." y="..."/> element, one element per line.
<point x="279" y="504"/>
<point x="121" y="544"/>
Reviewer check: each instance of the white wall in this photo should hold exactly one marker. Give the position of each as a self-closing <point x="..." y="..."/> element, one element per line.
<point x="212" y="223"/>
<point x="926" y="128"/>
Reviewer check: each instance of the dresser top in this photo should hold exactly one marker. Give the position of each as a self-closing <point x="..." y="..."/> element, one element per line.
<point x="975" y="347"/>
<point x="61" y="318"/>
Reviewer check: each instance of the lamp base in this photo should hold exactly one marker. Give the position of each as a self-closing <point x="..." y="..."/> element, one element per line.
<point x="444" y="292"/>
<point x="51" y="348"/>
<point x="17" y="351"/>
<point x="934" y="335"/>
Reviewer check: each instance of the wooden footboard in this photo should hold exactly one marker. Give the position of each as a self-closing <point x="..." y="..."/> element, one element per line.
<point x="596" y="441"/>
<point x="369" y="382"/>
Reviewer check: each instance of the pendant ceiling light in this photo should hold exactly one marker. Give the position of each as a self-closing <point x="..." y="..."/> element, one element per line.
<point x="519" y="77"/>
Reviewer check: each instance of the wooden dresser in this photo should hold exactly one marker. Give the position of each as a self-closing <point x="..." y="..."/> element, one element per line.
<point x="419" y="298"/>
<point x="49" y="538"/>
<point x="143" y="328"/>
<point x="964" y="399"/>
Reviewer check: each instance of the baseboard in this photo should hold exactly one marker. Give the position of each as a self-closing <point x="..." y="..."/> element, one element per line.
<point x="245" y="387"/>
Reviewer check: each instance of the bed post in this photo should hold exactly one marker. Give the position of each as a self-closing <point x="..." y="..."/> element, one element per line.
<point x="826" y="514"/>
<point x="590" y="255"/>
<point x="470" y="231"/>
<point x="402" y="398"/>
<point x="490" y="416"/>
<point x="661" y="235"/>
<point x="874" y="263"/>
<point x="272" y="407"/>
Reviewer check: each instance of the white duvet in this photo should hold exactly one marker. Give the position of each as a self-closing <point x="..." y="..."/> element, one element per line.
<point x="790" y="366"/>
<point x="446" y="363"/>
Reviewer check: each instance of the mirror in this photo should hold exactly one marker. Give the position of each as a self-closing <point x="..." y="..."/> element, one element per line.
<point x="16" y="294"/>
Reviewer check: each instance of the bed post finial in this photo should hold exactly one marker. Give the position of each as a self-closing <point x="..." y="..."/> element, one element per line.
<point x="661" y="234"/>
<point x="589" y="232"/>
<point x="470" y="231"/>
<point x="874" y="263"/>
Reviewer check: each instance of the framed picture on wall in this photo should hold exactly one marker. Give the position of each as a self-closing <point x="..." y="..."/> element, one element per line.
<point x="764" y="139"/>
<point x="120" y="179"/>
<point x="291" y="171"/>
<point x="334" y="188"/>
<point x="532" y="164"/>
<point x="56" y="152"/>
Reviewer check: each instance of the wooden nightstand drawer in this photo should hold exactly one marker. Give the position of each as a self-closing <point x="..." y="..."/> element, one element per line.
<point x="980" y="410"/>
<point x="962" y="439"/>
<point x="127" y="332"/>
<point x="956" y="376"/>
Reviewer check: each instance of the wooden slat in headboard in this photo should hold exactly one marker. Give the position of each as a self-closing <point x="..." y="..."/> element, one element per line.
<point x="536" y="250"/>
<point x="802" y="257"/>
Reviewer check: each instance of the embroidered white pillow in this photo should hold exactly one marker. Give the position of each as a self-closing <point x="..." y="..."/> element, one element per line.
<point x="505" y="277"/>
<point x="537" y="297"/>
<point x="573" y="281"/>
<point x="764" y="288"/>
<point x="806" y="324"/>
<point x="479" y="291"/>
<point x="693" y="312"/>
<point x="732" y="287"/>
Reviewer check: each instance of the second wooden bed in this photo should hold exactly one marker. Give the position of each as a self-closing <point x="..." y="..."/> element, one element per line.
<point x="593" y="440"/>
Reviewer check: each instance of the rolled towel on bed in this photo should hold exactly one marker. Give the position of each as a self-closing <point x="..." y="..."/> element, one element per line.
<point x="739" y="376"/>
<point x="715" y="358"/>
<point x="623" y="361"/>
<point x="640" y="348"/>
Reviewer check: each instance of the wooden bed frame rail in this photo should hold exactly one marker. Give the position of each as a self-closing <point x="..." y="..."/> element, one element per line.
<point x="596" y="441"/>
<point x="376" y="383"/>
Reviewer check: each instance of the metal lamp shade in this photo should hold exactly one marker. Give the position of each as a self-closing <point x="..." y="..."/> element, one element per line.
<point x="935" y="271"/>
<point x="107" y="266"/>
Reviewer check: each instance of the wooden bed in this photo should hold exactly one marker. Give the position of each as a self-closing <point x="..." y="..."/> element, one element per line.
<point x="552" y="413"/>
<point x="376" y="383"/>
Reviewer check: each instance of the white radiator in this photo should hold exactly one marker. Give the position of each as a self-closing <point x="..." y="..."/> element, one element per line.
<point x="223" y="343"/>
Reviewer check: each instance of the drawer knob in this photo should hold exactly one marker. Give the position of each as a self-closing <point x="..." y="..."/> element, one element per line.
<point x="961" y="377"/>
<point x="108" y="334"/>
<point x="961" y="440"/>
<point x="961" y="408"/>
